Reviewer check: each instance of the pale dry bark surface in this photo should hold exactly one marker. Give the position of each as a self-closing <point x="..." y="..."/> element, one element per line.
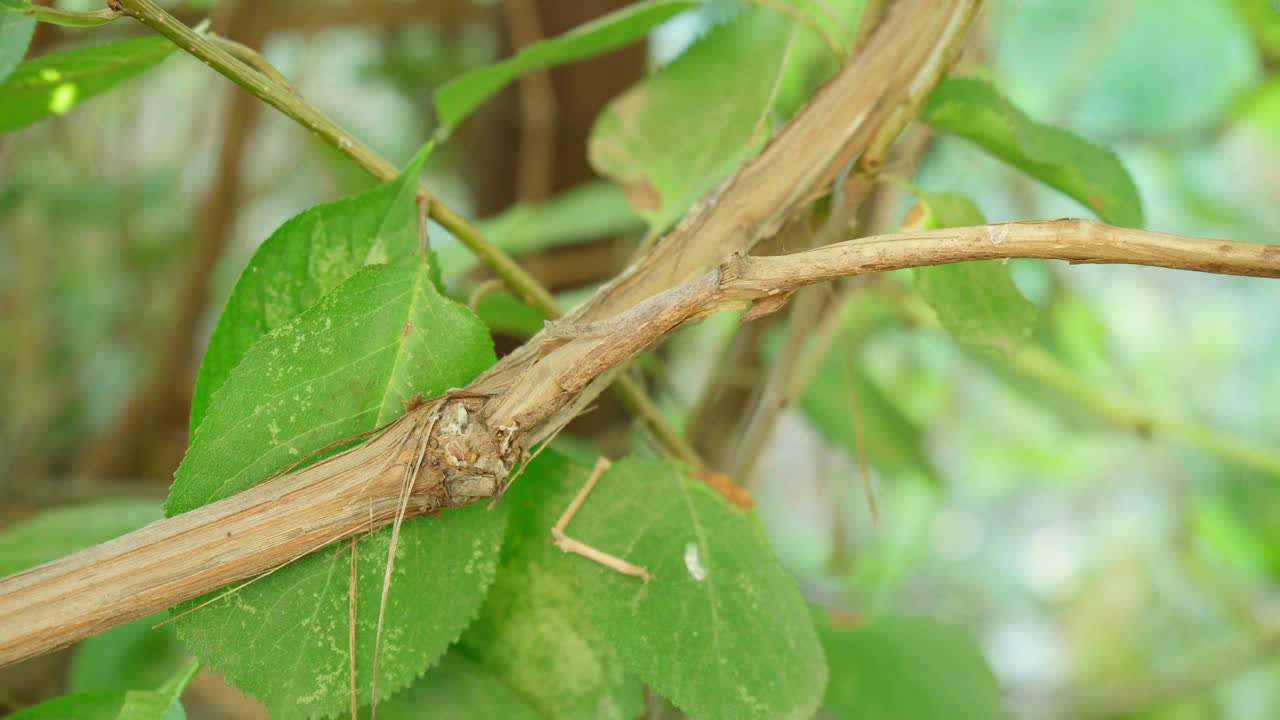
<point x="461" y="448"/>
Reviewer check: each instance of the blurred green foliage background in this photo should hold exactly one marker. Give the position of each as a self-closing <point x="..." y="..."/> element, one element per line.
<point x="1065" y="505"/>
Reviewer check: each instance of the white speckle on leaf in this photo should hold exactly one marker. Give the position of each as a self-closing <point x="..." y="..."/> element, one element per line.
<point x="694" y="563"/>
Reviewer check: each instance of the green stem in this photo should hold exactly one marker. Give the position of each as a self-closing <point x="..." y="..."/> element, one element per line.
<point x="253" y="58"/>
<point x="174" y="686"/>
<point x="1037" y="364"/>
<point x="66" y="18"/>
<point x="284" y="99"/>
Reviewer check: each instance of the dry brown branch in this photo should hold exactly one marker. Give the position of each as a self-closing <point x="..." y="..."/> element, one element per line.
<point x="807" y="153"/>
<point x="176" y="559"/>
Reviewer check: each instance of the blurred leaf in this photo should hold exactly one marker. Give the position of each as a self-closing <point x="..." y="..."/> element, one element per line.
<point x="1079" y="336"/>
<point x="95" y="705"/>
<point x="55" y="533"/>
<point x="460" y="96"/>
<point x="55" y="83"/>
<point x="1261" y="109"/>
<point x="1238" y="545"/>
<point x="907" y="667"/>
<point x="673" y="136"/>
<point x="159" y="704"/>
<point x="341" y="367"/>
<point x="15" y="36"/>
<point x="535" y="632"/>
<point x="1262" y="17"/>
<point x="976" y="302"/>
<point x="457" y="689"/>
<point x="133" y="655"/>
<point x="590" y="211"/>
<point x="972" y="109"/>
<point x="308" y="256"/>
<point x="503" y="313"/>
<point x="721" y="630"/>
<point x="893" y="442"/>
<point x="1117" y="69"/>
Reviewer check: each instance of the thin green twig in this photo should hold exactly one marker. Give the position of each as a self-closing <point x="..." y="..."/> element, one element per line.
<point x="66" y="18"/>
<point x="1037" y="364"/>
<point x="252" y="57"/>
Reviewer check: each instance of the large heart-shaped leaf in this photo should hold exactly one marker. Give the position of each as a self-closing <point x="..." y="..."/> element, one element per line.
<point x="303" y="260"/>
<point x="342" y="367"/>
<point x="721" y="630"/>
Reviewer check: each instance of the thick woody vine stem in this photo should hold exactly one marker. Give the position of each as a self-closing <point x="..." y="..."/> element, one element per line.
<point x="172" y="560"/>
<point x="473" y="437"/>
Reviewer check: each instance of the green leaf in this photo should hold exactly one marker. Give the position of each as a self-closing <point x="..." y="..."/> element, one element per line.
<point x="160" y="704"/>
<point x="972" y="109"/>
<point x="459" y="97"/>
<point x="976" y="302"/>
<point x="1144" y="72"/>
<point x="1263" y="21"/>
<point x="341" y="367"/>
<point x="535" y="632"/>
<point x="15" y="36"/>
<point x="907" y="667"/>
<point x="1261" y="109"/>
<point x="53" y="84"/>
<point x="302" y="261"/>
<point x="458" y="689"/>
<point x="94" y="705"/>
<point x="721" y="630"/>
<point x="893" y="441"/>
<point x="284" y="639"/>
<point x="587" y="212"/>
<point x="503" y="313"/>
<point x="55" y="533"/>
<point x="673" y="136"/>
